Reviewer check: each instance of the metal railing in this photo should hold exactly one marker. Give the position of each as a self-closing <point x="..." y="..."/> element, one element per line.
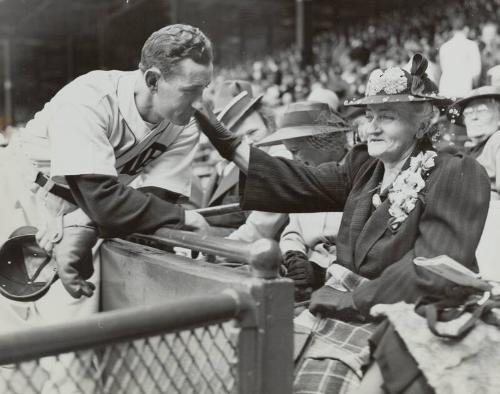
<point x="188" y="346"/>
<point x="222" y="330"/>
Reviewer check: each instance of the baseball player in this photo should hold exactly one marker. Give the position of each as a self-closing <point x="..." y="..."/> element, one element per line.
<point x="108" y="155"/>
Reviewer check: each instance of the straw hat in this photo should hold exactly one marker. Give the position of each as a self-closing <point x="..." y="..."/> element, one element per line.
<point x="305" y="119"/>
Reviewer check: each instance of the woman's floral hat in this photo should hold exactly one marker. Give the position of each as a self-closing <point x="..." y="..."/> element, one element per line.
<point x="396" y="85"/>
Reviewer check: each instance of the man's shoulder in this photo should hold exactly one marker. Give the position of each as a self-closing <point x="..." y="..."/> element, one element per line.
<point x="92" y="86"/>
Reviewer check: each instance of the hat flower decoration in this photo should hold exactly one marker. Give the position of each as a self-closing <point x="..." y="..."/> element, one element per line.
<point x="395" y="84"/>
<point x="392" y="81"/>
<point x="406" y="188"/>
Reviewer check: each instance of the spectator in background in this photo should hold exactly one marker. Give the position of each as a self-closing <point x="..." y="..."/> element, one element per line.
<point x="322" y="95"/>
<point x="460" y="62"/>
<point x="480" y="113"/>
<point x="494" y="75"/>
<point x="314" y="134"/>
<point x="246" y="116"/>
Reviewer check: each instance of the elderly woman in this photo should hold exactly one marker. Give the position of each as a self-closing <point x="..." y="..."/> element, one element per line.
<point x="480" y="113"/>
<point x="400" y="200"/>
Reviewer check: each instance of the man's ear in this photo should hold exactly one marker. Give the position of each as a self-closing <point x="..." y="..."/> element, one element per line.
<point x="152" y="76"/>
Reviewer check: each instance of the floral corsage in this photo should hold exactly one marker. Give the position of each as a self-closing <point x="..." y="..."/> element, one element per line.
<point x="404" y="191"/>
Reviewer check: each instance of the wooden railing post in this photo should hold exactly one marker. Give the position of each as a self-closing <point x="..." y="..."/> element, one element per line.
<point x="273" y="341"/>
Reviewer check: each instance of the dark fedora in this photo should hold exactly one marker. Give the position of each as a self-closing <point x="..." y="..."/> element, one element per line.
<point x="233" y="100"/>
<point x="395" y="85"/>
<point x="26" y="270"/>
<point x="305" y="119"/>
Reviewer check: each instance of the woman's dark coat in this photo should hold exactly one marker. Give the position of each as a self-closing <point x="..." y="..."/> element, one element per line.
<point x="447" y="219"/>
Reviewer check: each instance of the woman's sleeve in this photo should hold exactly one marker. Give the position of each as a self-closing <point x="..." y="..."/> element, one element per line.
<point x="292" y="237"/>
<point x="452" y="222"/>
<point x="275" y="184"/>
<point x="259" y="225"/>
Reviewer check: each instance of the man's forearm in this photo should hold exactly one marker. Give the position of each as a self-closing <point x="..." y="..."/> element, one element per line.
<point x="119" y="210"/>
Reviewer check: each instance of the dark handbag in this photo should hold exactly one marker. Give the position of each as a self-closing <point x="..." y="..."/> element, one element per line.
<point x="26" y="270"/>
<point x="480" y="306"/>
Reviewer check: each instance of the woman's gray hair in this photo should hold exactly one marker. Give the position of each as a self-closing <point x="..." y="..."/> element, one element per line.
<point x="424" y="115"/>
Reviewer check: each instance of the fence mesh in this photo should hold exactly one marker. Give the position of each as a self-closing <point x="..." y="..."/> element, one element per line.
<point x="201" y="360"/>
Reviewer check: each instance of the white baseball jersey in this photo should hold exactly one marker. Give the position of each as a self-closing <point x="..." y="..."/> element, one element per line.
<point x="92" y="126"/>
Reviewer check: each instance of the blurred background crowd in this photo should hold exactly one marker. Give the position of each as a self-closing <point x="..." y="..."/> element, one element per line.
<point x="345" y="56"/>
<point x="349" y="40"/>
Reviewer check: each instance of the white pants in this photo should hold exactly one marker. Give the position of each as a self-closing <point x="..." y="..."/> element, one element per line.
<point x="22" y="203"/>
<point x="488" y="250"/>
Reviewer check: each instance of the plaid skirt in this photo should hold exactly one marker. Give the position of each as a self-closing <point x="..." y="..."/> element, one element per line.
<point x="334" y="357"/>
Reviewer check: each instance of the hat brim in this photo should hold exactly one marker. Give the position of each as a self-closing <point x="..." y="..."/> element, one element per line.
<point x="234" y="111"/>
<point x="464" y="101"/>
<point x="245" y="111"/>
<point x="289" y="133"/>
<point x="395" y="98"/>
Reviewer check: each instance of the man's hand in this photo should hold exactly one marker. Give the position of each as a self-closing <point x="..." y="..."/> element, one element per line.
<point x="49" y="233"/>
<point x="193" y="221"/>
<point x="73" y="254"/>
<point x="302" y="271"/>
<point x="332" y="303"/>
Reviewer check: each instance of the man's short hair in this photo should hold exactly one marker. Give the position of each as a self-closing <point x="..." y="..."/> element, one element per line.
<point x="172" y="44"/>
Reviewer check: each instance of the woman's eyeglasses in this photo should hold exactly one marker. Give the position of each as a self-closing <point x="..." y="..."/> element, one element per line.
<point x="478" y="110"/>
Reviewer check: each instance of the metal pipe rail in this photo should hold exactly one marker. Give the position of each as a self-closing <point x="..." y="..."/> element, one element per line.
<point x="124" y="325"/>
<point x="263" y="255"/>
<point x="219" y="209"/>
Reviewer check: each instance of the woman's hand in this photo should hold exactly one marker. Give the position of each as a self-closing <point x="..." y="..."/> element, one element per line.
<point x="221" y="138"/>
<point x="302" y="271"/>
<point x="329" y="302"/>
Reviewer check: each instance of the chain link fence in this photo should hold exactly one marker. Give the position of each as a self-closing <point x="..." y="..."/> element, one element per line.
<point x="221" y="331"/>
<point x="202" y="360"/>
<point x="189" y="356"/>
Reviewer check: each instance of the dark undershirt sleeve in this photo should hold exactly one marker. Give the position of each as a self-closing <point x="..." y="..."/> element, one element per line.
<point x="119" y="210"/>
<point x="164" y="194"/>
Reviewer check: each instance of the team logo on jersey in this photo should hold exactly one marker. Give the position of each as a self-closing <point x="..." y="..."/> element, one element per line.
<point x="137" y="163"/>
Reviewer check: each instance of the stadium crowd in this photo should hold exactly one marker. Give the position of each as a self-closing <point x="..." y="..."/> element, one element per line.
<point x="346" y="55"/>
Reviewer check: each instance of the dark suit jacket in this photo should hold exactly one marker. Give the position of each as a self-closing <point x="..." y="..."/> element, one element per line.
<point x="448" y="219"/>
<point x="224" y="190"/>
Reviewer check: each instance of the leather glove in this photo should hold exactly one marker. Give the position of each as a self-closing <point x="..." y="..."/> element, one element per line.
<point x="302" y="271"/>
<point x="221" y="138"/>
<point x="329" y="302"/>
<point x="73" y="254"/>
